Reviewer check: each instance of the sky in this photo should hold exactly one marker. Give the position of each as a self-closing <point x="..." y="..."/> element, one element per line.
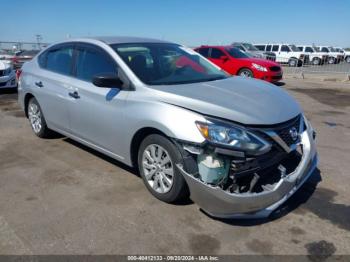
<point x="189" y="22"/>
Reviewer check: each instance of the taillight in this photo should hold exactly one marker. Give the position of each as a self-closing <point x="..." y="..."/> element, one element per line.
<point x="18" y="73"/>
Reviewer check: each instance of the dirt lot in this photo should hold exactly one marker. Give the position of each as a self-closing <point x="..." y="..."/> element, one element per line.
<point x="58" y="197"/>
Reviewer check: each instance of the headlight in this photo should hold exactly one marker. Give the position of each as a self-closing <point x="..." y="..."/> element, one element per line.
<point x="233" y="136"/>
<point x="259" y="67"/>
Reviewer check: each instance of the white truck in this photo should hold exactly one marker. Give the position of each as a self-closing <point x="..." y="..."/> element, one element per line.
<point x="316" y="58"/>
<point x="285" y="53"/>
<point x="334" y="56"/>
<point x="345" y="52"/>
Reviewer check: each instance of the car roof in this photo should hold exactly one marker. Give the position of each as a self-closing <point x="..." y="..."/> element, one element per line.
<point x="126" y="39"/>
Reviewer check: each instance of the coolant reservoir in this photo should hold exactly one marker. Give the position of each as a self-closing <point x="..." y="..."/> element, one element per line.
<point x="212" y="169"/>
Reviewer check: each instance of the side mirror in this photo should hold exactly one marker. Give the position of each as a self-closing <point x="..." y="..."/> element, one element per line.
<point x="107" y="80"/>
<point x="224" y="58"/>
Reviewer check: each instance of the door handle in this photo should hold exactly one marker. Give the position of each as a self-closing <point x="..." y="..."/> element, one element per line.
<point x="39" y="84"/>
<point x="74" y="94"/>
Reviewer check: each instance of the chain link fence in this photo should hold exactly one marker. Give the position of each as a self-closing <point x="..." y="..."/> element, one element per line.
<point x="312" y="67"/>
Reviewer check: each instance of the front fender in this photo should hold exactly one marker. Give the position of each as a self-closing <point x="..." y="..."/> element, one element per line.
<point x="173" y="121"/>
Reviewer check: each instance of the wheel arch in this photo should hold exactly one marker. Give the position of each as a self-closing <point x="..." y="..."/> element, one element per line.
<point x="27" y="97"/>
<point x="244" y="68"/>
<point x="137" y="139"/>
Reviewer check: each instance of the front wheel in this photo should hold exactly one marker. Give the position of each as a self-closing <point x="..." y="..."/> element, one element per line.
<point x="157" y="159"/>
<point x="245" y="72"/>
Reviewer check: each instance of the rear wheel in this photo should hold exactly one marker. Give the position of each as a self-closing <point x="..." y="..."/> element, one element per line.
<point x="37" y="119"/>
<point x="347" y="59"/>
<point x="245" y="72"/>
<point x="331" y="60"/>
<point x="157" y="159"/>
<point x="316" y="61"/>
<point x="293" y="62"/>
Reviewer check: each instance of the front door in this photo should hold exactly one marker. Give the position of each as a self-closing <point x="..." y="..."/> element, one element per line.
<point x="97" y="114"/>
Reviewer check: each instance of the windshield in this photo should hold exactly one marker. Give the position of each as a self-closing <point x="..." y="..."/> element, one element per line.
<point x="250" y="47"/>
<point x="294" y="48"/>
<point x="236" y="53"/>
<point x="167" y="64"/>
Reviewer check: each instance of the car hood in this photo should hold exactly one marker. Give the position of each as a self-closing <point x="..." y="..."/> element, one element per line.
<point x="247" y="101"/>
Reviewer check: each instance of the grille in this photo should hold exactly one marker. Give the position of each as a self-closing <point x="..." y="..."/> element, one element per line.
<point x="276" y="77"/>
<point x="275" y="68"/>
<point x="2" y="72"/>
<point x="284" y="131"/>
<point x="3" y="84"/>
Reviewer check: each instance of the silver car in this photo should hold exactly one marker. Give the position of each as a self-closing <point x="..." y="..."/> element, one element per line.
<point x="238" y="147"/>
<point x="252" y="51"/>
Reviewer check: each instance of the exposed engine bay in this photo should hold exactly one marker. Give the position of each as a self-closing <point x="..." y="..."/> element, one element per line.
<point x="230" y="183"/>
<point x="240" y="175"/>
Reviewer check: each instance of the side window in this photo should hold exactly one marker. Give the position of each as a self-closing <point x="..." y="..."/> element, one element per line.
<point x="275" y="48"/>
<point x="324" y="49"/>
<point x="284" y="48"/>
<point x="240" y="48"/>
<point x="308" y="49"/>
<point x="91" y="62"/>
<point x="301" y="48"/>
<point x="268" y="48"/>
<point x="260" y="47"/>
<point x="60" y="60"/>
<point x="216" y="53"/>
<point x="203" y="51"/>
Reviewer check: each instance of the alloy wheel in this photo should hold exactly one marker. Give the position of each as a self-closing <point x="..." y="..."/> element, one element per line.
<point x="158" y="168"/>
<point x="245" y="73"/>
<point x="34" y="116"/>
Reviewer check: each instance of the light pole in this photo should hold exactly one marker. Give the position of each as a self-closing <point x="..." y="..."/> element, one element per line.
<point x="38" y="39"/>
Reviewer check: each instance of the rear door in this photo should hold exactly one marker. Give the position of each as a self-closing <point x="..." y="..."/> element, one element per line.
<point x="96" y="113"/>
<point x="52" y="84"/>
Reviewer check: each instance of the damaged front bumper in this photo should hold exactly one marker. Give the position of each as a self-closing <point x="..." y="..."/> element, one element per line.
<point x="220" y="203"/>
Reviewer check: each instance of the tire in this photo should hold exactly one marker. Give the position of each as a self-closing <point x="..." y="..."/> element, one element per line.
<point x="293" y="62"/>
<point x="331" y="60"/>
<point x="316" y="61"/>
<point x="245" y="72"/>
<point x="37" y="120"/>
<point x="347" y="59"/>
<point x="156" y="176"/>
